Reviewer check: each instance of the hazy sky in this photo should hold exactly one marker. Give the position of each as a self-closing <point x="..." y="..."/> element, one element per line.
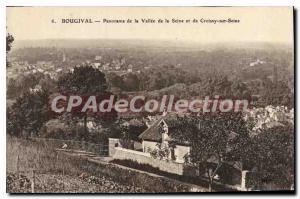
<point x="270" y="24"/>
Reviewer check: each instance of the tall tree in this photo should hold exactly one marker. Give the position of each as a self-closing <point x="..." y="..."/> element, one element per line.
<point x="131" y="82"/>
<point x="213" y="139"/>
<point x="9" y="40"/>
<point x="272" y="154"/>
<point x="85" y="81"/>
<point x="116" y="81"/>
<point x="28" y="114"/>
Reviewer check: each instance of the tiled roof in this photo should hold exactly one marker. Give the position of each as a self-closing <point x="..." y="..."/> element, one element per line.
<point x="153" y="133"/>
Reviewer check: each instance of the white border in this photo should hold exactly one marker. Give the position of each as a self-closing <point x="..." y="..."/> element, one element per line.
<point x="150" y="3"/>
<point x="4" y="3"/>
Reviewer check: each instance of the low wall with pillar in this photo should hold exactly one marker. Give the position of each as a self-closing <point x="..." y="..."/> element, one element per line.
<point x="116" y="151"/>
<point x="146" y="158"/>
<point x="112" y="144"/>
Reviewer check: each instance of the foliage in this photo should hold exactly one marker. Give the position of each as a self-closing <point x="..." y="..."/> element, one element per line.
<point x="129" y="132"/>
<point x="272" y="154"/>
<point x="276" y="94"/>
<point x="28" y="114"/>
<point x="86" y="81"/>
<point x="21" y="85"/>
<point x="153" y="79"/>
<point x="162" y="152"/>
<point x="213" y="138"/>
<point x="115" y="80"/>
<point x="225" y="137"/>
<point x="125" y="141"/>
<point x="9" y="40"/>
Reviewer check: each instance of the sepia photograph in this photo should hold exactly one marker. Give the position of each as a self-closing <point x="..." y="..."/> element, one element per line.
<point x="150" y="100"/>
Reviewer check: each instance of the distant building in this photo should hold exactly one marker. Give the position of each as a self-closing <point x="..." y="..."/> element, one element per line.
<point x="256" y="62"/>
<point x="98" y="58"/>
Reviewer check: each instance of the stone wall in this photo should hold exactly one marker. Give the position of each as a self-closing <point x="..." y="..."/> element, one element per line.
<point x="137" y="146"/>
<point x="112" y="144"/>
<point x="151" y="183"/>
<point x="231" y="177"/>
<point x="145" y="158"/>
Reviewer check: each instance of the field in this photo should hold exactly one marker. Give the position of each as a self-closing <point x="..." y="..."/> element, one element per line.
<point x="52" y="171"/>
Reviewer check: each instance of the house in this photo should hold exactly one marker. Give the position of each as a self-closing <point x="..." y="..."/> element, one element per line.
<point x="159" y="135"/>
<point x="257" y="62"/>
<point x="157" y="139"/>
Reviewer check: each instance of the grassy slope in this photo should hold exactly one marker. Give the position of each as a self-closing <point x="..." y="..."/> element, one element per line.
<point x="54" y="172"/>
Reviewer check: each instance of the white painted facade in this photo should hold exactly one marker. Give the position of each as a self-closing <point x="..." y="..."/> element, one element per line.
<point x="179" y="151"/>
<point x="149" y="146"/>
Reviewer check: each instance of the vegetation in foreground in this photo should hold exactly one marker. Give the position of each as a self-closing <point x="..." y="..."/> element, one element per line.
<point x="53" y="173"/>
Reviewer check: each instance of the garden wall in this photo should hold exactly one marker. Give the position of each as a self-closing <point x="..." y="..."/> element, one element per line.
<point x="145" y="158"/>
<point x="148" y="181"/>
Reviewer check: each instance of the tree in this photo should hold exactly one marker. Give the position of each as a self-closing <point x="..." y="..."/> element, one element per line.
<point x="28" y="114"/>
<point x="86" y="81"/>
<point x="276" y="94"/>
<point x="9" y="40"/>
<point x="131" y="82"/>
<point x="129" y="131"/>
<point x="21" y="85"/>
<point x="213" y="140"/>
<point x="240" y="90"/>
<point x="272" y="154"/>
<point x="48" y="84"/>
<point x="116" y="81"/>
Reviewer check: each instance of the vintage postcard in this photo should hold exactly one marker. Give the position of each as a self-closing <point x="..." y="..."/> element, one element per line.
<point x="150" y="99"/>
